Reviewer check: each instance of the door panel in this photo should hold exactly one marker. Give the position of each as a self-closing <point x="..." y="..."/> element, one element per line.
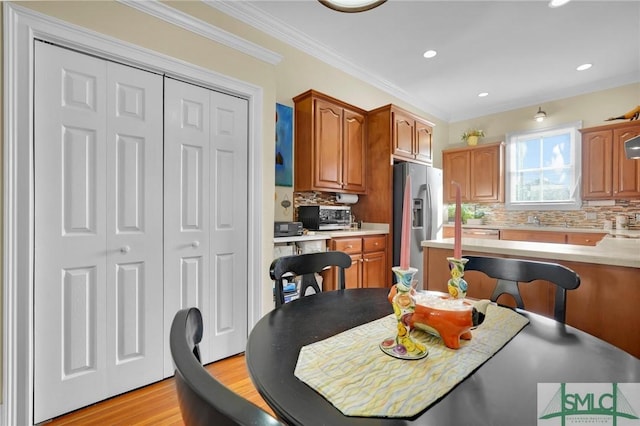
<point x="70" y="368"/>
<point x="186" y="205"/>
<point x="229" y="197"/>
<point x="134" y="228"/>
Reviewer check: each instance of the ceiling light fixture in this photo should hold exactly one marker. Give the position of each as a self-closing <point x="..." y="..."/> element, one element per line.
<point x="430" y="54"/>
<point x="558" y="3"/>
<point x="632" y="148"/>
<point x="540" y="115"/>
<point x="584" y="67"/>
<point x="351" y="6"/>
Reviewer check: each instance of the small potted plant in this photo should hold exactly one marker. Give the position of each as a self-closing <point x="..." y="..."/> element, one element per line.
<point x="471" y="137"/>
<point x="477" y="219"/>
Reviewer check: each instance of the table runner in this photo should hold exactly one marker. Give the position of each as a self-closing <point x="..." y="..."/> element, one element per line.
<point x="352" y="373"/>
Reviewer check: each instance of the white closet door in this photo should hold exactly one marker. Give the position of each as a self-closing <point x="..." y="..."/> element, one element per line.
<point x="98" y="256"/>
<point x="186" y="206"/>
<point x="206" y="143"/>
<point x="229" y="199"/>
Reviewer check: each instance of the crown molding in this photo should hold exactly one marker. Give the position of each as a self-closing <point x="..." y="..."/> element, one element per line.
<point x="251" y="15"/>
<point x="204" y="29"/>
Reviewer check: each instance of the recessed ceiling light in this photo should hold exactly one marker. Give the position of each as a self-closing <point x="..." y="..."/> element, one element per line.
<point x="430" y="54"/>
<point x="483" y="94"/>
<point x="584" y="67"/>
<point x="558" y="3"/>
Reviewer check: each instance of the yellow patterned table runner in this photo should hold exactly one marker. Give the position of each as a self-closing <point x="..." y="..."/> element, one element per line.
<point x="352" y="373"/>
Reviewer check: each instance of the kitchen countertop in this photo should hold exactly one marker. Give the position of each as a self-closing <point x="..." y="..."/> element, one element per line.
<point x="367" y="229"/>
<point x="609" y="251"/>
<point x="629" y="233"/>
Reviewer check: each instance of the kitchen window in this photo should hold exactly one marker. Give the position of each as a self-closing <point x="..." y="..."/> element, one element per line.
<point x="543" y="169"/>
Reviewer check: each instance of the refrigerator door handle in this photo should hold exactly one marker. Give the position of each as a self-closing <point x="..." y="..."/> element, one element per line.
<point x="427" y="213"/>
<point x="426" y="229"/>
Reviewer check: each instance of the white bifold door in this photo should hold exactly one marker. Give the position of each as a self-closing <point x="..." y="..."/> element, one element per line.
<point x="98" y="230"/>
<point x="206" y="194"/>
<point x="140" y="209"/>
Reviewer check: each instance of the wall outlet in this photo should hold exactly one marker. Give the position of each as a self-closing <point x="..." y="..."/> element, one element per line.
<point x="637" y="217"/>
<point x="590" y="215"/>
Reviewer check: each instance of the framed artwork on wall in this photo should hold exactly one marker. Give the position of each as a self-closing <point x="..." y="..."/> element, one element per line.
<point x="284" y="145"/>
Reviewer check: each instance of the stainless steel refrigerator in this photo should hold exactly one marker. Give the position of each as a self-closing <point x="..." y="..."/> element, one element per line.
<point x="427" y="206"/>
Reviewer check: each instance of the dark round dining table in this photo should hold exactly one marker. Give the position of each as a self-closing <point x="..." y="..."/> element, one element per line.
<point x="502" y="391"/>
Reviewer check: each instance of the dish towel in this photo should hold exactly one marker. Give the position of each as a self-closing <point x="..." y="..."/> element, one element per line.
<point x="351" y="371"/>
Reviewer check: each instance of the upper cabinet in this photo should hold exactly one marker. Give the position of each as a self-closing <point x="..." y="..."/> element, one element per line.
<point x="606" y="172"/>
<point x="478" y="169"/>
<point x="408" y="136"/>
<point x="330" y="145"/>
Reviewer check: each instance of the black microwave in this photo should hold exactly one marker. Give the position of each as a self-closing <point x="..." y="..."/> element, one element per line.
<point x="325" y="218"/>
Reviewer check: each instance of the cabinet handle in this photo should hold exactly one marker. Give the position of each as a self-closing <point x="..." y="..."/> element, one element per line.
<point x="125" y="249"/>
<point x="349" y="247"/>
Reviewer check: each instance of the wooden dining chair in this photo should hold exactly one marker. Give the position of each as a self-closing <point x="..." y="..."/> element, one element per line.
<point x="204" y="400"/>
<point x="307" y="265"/>
<point x="510" y="272"/>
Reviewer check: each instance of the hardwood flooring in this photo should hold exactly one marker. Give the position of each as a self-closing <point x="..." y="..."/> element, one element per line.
<point x="157" y="404"/>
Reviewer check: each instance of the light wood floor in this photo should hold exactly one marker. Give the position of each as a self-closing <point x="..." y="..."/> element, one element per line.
<point x="157" y="404"/>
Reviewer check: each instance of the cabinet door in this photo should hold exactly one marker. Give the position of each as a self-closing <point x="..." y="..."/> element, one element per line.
<point x="486" y="184"/>
<point x="403" y="135"/>
<point x="423" y="149"/>
<point x="535" y="236"/>
<point x="584" y="238"/>
<point x="354" y="157"/>
<point x="456" y="168"/>
<point x="626" y="172"/>
<point x="327" y="146"/>
<point x="374" y="274"/>
<point x="353" y="275"/>
<point x="597" y="165"/>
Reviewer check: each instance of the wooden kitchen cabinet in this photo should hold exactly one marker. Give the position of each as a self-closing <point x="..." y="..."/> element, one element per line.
<point x="330" y="145"/>
<point x="478" y="169"/>
<point x="369" y="262"/>
<point x="577" y="238"/>
<point x="391" y="138"/>
<point x="534" y="236"/>
<point x="584" y="238"/>
<point x="606" y="172"/>
<point x="409" y="137"/>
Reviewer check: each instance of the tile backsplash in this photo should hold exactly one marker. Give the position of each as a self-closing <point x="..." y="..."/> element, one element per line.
<point x="496" y="214"/>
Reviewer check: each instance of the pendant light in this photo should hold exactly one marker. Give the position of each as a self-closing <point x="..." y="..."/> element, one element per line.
<point x="351" y="6"/>
<point x="540" y="115"/>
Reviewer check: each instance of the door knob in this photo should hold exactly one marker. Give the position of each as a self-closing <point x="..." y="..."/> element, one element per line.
<point x="195" y="244"/>
<point x="125" y="249"/>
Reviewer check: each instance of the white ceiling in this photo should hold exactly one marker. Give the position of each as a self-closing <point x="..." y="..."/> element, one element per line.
<point x="522" y="52"/>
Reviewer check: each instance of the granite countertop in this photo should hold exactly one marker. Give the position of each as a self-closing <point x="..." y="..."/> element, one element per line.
<point x="609" y="251"/>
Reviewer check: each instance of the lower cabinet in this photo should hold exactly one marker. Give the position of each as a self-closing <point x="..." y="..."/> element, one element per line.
<point x="577" y="238"/>
<point x="368" y="262"/>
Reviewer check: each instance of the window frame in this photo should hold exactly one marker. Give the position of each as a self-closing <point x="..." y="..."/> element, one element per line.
<point x="576" y="200"/>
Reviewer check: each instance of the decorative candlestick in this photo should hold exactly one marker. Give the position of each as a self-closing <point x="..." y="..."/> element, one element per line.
<point x="456" y="285"/>
<point x="404" y="305"/>
<point x="457" y="237"/>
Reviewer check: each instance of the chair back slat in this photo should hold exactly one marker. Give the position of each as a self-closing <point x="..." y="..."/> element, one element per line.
<point x="510" y="272"/>
<point x="307" y="265"/>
